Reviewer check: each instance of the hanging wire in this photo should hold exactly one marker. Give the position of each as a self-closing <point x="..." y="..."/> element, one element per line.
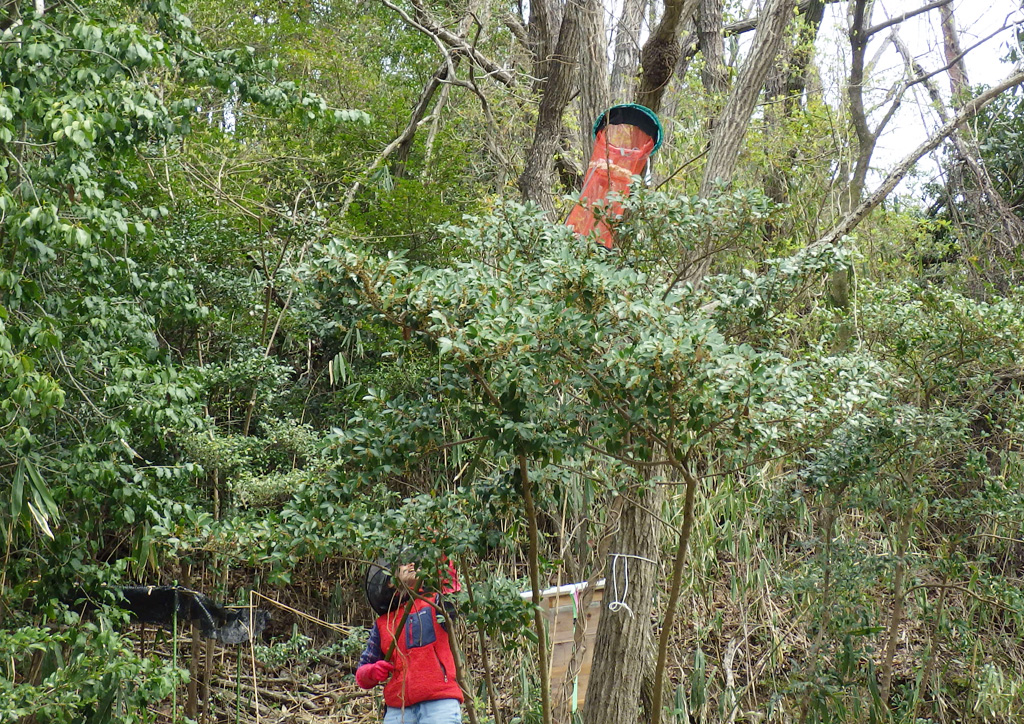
<point x="618" y="604"/>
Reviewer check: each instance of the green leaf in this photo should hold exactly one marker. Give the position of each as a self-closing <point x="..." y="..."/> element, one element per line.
<point x="38" y="51"/>
<point x="18" y="490"/>
<point x="40" y="491"/>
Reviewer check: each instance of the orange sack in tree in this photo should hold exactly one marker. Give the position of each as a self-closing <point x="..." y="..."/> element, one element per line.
<point x="625" y="138"/>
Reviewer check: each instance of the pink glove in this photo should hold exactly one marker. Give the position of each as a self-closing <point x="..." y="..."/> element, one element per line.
<point x="369" y="675"/>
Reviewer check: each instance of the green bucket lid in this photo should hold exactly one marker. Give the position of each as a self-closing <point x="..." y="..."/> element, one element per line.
<point x="633" y="114"/>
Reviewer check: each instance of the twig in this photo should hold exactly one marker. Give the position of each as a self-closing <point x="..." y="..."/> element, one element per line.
<point x="538" y="616"/>
<point x="336" y="627"/>
<point x="676" y="587"/>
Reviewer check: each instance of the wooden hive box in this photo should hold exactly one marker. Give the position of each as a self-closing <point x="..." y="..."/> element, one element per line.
<point x="561" y="608"/>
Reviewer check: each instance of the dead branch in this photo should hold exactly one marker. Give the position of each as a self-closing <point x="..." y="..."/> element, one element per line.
<point x="874" y="29"/>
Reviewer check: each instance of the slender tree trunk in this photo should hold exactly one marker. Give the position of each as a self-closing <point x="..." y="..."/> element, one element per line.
<point x="727" y="138"/>
<point x="866" y="139"/>
<point x="462" y="672"/>
<point x="627" y="50"/>
<point x="475" y="9"/>
<point x="860" y="18"/>
<point x="492" y="694"/>
<point x="951" y="46"/>
<point x="896" y="617"/>
<point x="611" y="526"/>
<point x="538" y="616"/>
<point x="825" y="604"/>
<point x="934" y="641"/>
<point x="192" y="702"/>
<point x="861" y="31"/>
<point x="207" y="675"/>
<point x="989" y="203"/>
<point x="674" y="593"/>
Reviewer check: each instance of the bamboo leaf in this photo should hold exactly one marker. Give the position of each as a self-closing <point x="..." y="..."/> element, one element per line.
<point x="18" y="490"/>
<point x="40" y="520"/>
<point x="40" y="491"/>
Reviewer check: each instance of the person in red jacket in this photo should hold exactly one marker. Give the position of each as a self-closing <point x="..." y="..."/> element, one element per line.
<point x="420" y="686"/>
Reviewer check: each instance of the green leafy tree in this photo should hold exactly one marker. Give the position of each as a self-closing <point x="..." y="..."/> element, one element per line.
<point x="551" y="352"/>
<point x="95" y="398"/>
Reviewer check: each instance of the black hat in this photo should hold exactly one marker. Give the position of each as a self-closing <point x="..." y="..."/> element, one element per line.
<point x="380" y="588"/>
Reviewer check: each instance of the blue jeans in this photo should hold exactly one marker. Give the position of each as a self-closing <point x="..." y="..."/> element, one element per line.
<point x="439" y="711"/>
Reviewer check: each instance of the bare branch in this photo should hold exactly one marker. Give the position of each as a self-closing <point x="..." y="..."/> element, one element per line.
<point x="966" y="113"/>
<point x="404" y="139"/>
<point x="745" y="26"/>
<point x="428" y="26"/>
<point x="905" y="16"/>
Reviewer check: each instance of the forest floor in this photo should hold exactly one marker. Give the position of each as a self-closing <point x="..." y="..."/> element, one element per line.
<point x="319" y="690"/>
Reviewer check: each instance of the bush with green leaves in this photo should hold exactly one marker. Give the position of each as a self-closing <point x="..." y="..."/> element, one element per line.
<point x="80" y="672"/>
<point x="95" y="396"/>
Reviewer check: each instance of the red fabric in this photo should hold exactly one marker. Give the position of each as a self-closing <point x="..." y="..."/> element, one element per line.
<point x="620" y="152"/>
<point x="424" y="672"/>
<point x="369" y="675"/>
<point x="450" y="580"/>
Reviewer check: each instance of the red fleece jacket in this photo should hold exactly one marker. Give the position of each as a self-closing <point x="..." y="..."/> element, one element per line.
<point x="424" y="665"/>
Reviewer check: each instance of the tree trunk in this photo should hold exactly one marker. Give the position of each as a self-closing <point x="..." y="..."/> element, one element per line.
<point x="675" y="590"/>
<point x="542" y="31"/>
<point x="595" y="91"/>
<point x="661" y="53"/>
<point x="727" y="138"/>
<point x="710" y="38"/>
<point x="590" y="555"/>
<point x="951" y="46"/>
<point x="535" y="181"/>
<point x="896" y="616"/>
<point x="866" y="139"/>
<point x="627" y="51"/>
<point x="538" y="616"/>
<point x="613" y="694"/>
